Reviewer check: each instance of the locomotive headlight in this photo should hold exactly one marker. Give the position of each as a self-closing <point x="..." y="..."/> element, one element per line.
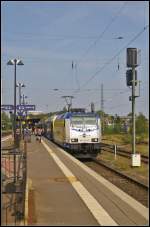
<point x="94" y="140"/>
<point x="74" y="140"/>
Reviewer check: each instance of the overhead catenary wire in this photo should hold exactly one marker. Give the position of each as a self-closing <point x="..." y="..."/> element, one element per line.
<point x="98" y="39"/>
<point x="115" y="107"/>
<point x="61" y="37"/>
<point x="110" y="98"/>
<point x="103" y="32"/>
<point x="114" y="57"/>
<point x="80" y="37"/>
<point x="89" y="89"/>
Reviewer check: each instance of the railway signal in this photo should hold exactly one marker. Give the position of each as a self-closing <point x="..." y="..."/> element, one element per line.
<point x="133" y="60"/>
<point x="15" y="62"/>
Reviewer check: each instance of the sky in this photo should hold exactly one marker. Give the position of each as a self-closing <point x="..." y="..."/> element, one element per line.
<point x="48" y="36"/>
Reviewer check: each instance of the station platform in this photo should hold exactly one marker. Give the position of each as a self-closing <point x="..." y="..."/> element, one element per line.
<point x="66" y="192"/>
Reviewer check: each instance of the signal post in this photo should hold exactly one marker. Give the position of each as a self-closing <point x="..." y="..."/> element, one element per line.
<point x="133" y="57"/>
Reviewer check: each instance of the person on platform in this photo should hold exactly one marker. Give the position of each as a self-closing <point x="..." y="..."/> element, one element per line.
<point x="39" y="134"/>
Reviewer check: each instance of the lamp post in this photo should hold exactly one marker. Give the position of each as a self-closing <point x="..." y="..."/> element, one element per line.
<point x="15" y="62"/>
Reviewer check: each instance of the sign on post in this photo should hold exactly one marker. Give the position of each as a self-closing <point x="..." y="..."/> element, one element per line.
<point x="7" y="107"/>
<point x="18" y="107"/>
<point x="26" y="107"/>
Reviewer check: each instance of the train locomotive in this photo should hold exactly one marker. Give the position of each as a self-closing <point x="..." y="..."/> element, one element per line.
<point x="78" y="133"/>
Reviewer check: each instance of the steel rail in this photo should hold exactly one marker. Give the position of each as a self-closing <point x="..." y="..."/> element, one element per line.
<point x="123" y="152"/>
<point x="144" y="186"/>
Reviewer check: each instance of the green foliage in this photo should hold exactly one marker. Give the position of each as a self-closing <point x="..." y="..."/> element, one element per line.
<point x="118" y="121"/>
<point x="141" y="124"/>
<point x="116" y="129"/>
<point x="109" y="130"/>
<point x="100" y="113"/>
<point x="140" y="138"/>
<point x="4" y="117"/>
<point x="5" y="121"/>
<point x="127" y="139"/>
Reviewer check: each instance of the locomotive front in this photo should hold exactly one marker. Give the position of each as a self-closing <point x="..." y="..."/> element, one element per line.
<point x="83" y="133"/>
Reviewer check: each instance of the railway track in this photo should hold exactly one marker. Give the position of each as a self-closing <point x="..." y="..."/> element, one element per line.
<point x="122" y="152"/>
<point x="133" y="187"/>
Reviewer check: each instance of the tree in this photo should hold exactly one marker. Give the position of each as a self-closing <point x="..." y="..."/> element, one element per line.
<point x="6" y="121"/>
<point x="141" y="124"/>
<point x="101" y="113"/>
<point x="112" y="118"/>
<point x="117" y="120"/>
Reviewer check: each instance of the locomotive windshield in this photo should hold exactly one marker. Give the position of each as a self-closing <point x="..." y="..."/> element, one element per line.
<point x="76" y="121"/>
<point x="90" y="120"/>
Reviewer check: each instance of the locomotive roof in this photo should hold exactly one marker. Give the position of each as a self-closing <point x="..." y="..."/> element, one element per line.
<point x="68" y="115"/>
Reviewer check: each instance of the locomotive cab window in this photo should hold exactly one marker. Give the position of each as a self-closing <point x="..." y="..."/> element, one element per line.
<point x="76" y="121"/>
<point x="90" y="121"/>
<point x="82" y="121"/>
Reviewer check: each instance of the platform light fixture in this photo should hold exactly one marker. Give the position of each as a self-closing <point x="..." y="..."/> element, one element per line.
<point x="15" y="62"/>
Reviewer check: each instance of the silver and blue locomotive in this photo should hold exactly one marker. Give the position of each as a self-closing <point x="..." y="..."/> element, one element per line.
<point x="79" y="133"/>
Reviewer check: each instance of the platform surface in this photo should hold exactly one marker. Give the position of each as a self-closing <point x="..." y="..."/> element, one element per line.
<point x="68" y="193"/>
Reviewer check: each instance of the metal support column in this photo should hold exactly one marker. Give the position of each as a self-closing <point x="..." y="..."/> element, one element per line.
<point x="102" y="109"/>
<point x="20" y="104"/>
<point x="133" y="110"/>
<point x="15" y="61"/>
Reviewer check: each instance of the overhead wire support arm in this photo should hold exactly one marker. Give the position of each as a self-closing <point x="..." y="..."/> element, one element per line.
<point x="68" y="99"/>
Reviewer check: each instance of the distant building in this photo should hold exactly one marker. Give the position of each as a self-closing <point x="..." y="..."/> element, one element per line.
<point x="124" y="121"/>
<point x="35" y="112"/>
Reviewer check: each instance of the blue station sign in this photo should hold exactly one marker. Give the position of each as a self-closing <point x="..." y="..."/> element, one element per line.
<point x="25" y="107"/>
<point x="7" y="107"/>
